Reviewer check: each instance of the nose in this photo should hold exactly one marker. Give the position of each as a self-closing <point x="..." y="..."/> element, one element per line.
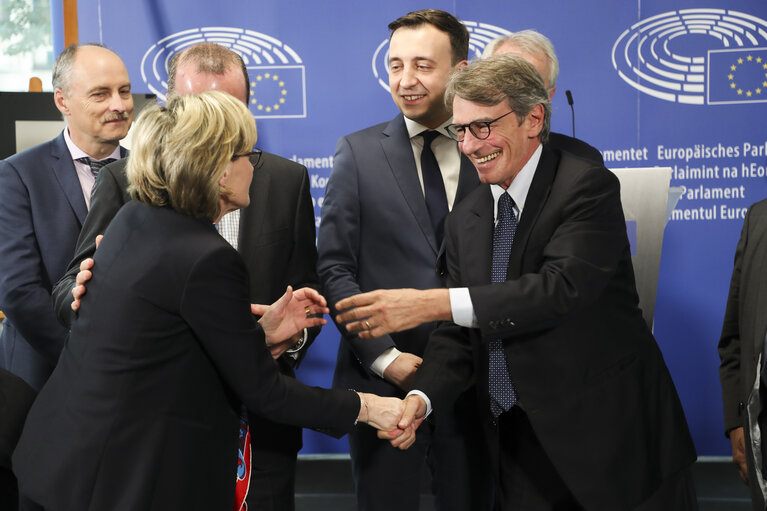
<point x="470" y="143"/>
<point x="119" y="103"/>
<point x="408" y="77"/>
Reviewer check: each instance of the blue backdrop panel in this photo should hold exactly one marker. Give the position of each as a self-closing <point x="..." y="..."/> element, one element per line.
<point x="672" y="83"/>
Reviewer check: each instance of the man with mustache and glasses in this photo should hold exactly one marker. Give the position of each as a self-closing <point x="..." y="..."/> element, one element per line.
<point x="44" y="198"/>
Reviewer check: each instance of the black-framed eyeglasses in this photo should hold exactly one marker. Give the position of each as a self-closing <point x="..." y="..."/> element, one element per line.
<point x="254" y="156"/>
<point x="480" y="129"/>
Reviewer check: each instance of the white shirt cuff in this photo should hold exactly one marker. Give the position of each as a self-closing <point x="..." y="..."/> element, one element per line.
<point x="425" y="399"/>
<point x="380" y="364"/>
<point x="462" y="308"/>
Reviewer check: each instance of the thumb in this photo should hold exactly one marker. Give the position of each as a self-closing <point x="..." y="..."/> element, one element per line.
<point x="257" y="309"/>
<point x="98" y="240"/>
<point x="412" y="406"/>
<point x="283" y="300"/>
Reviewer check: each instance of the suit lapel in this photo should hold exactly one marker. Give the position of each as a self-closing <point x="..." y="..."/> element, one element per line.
<point x="536" y="199"/>
<point x="399" y="154"/>
<point x="467" y="179"/>
<point x="477" y="230"/>
<point x="252" y="217"/>
<point x="64" y="170"/>
<point x="759" y="233"/>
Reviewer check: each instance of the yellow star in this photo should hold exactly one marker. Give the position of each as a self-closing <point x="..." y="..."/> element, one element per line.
<point x="254" y="100"/>
<point x="282" y="100"/>
<point x="748" y="93"/>
<point x="732" y="85"/>
<point x="764" y="83"/>
<point x="758" y="90"/>
<point x="252" y="84"/>
<point x="282" y="84"/>
<point x="276" y="107"/>
<point x="260" y="107"/>
<point x="764" y="66"/>
<point x="268" y="109"/>
<point x="275" y="78"/>
<point x="740" y="92"/>
<point x="259" y="77"/>
<point x="267" y="75"/>
<point x="758" y="59"/>
<point x="733" y="68"/>
<point x="730" y="76"/>
<point x="283" y="92"/>
<point x="740" y="61"/>
<point x="750" y="58"/>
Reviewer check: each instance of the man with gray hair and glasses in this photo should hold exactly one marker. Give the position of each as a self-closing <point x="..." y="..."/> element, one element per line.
<point x="392" y="310"/>
<point x="578" y="409"/>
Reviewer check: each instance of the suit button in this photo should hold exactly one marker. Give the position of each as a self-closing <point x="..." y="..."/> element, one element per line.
<point x="508" y="322"/>
<point x="440" y="271"/>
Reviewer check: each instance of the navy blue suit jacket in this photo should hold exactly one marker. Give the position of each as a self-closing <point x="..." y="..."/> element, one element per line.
<point x="376" y="234"/>
<point x="42" y="209"/>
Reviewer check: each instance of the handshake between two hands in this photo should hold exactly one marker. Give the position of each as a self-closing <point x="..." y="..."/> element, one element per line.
<point x="396" y="420"/>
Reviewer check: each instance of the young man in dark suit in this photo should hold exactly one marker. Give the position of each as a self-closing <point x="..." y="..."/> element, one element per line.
<point x="275" y="235"/>
<point x="578" y="407"/>
<point x="390" y="188"/>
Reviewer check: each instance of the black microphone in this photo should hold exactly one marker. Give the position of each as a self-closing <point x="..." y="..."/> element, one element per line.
<point x="570" y="102"/>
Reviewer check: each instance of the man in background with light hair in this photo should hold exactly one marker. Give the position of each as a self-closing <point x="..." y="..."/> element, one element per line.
<point x="44" y="198"/>
<point x="45" y="195"/>
<point x="537" y="49"/>
<point x="274" y="234"/>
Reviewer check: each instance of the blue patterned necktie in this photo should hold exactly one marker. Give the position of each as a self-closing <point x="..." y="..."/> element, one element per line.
<point x="502" y="393"/>
<point x="95" y="165"/>
<point x="433" y="185"/>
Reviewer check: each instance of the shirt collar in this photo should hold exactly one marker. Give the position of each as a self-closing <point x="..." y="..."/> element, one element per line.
<point x="76" y="152"/>
<point x="414" y="128"/>
<point x="520" y="185"/>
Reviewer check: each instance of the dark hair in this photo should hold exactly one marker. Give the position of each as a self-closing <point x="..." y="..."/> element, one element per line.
<point x="210" y="58"/>
<point x="444" y="21"/>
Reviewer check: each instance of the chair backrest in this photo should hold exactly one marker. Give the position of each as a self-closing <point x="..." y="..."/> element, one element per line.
<point x="645" y="199"/>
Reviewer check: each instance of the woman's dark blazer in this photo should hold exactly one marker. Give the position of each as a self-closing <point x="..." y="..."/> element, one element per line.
<point x="142" y="410"/>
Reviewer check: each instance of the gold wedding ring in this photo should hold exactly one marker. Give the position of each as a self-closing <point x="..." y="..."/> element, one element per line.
<point x="308" y="312"/>
<point x="367" y="324"/>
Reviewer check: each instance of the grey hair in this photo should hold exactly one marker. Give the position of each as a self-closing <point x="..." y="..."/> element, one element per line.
<point x="532" y="42"/>
<point x="499" y="78"/>
<point x="62" y="68"/>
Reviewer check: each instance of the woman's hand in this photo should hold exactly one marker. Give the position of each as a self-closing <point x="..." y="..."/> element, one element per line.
<point x="290" y="314"/>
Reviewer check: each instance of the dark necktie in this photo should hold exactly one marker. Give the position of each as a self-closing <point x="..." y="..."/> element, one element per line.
<point x="434" y="187"/>
<point x="95" y="165"/>
<point x="502" y="393"/>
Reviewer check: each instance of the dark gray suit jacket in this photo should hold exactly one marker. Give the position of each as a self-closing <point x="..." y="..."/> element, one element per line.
<point x="376" y="233"/>
<point x="742" y="342"/>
